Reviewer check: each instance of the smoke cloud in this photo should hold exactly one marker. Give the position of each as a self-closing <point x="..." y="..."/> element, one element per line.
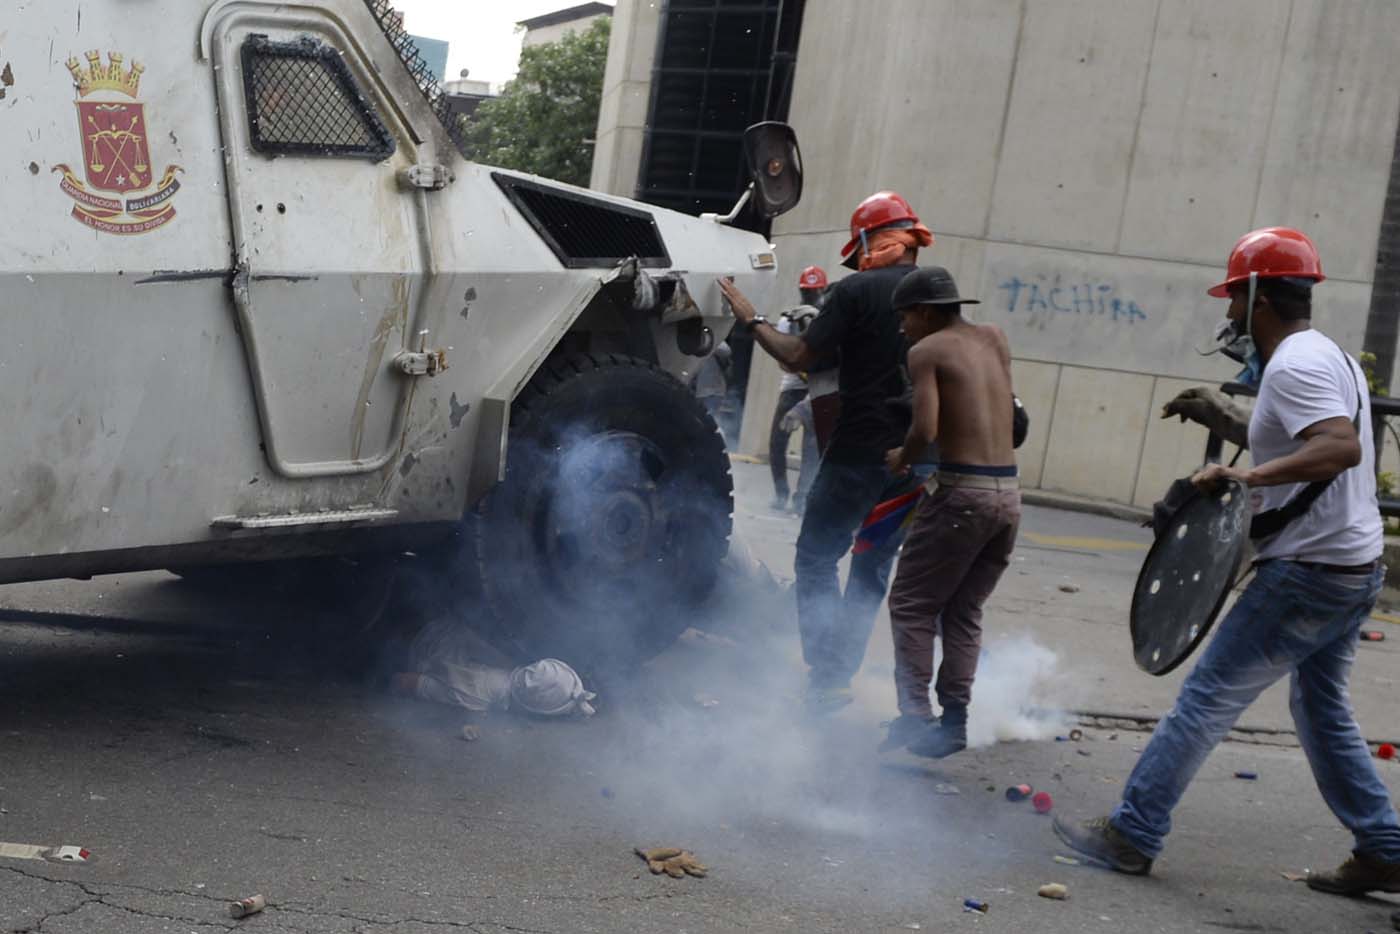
<point x="712" y="735"/>
<point x="1020" y="693"/>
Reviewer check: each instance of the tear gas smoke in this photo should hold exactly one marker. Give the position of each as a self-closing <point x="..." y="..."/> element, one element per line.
<point x="713" y="734"/>
<point x="1019" y="694"/>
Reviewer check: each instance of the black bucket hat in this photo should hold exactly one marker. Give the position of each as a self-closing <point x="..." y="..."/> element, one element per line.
<point x="928" y="285"/>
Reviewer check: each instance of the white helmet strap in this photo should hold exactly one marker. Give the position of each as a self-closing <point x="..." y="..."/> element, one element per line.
<point x="1249" y="308"/>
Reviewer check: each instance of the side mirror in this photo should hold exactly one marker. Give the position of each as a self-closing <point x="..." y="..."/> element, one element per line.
<point x="775" y="165"/>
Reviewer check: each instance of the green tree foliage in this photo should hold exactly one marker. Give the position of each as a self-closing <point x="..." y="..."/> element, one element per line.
<point x="545" y="119"/>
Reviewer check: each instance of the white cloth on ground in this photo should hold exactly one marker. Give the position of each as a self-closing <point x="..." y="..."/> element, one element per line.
<point x="444" y="654"/>
<point x="550" y="688"/>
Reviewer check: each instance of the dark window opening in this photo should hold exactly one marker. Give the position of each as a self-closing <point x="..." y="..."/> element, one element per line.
<point x="303" y="100"/>
<point x="721" y="65"/>
<point x="584" y="231"/>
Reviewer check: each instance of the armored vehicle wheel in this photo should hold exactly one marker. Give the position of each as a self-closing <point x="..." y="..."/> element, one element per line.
<point x="613" y="517"/>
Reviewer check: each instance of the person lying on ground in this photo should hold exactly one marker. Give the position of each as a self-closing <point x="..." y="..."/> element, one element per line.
<point x="443" y="665"/>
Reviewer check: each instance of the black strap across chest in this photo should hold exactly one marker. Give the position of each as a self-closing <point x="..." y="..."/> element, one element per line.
<point x="1270" y="522"/>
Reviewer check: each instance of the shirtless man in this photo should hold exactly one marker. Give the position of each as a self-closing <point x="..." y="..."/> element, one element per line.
<point x="962" y="533"/>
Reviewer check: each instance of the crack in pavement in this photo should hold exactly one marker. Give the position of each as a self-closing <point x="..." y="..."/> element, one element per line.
<point x="143" y="913"/>
<point x="99" y="893"/>
<point x="88" y="887"/>
<point x="102" y="900"/>
<point x="1146" y="723"/>
<point x="36" y="928"/>
<point x="96" y="895"/>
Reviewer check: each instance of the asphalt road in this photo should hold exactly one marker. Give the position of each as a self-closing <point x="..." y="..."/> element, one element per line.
<point x="209" y="748"/>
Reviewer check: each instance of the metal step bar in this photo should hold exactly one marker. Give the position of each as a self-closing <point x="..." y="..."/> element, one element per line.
<point x="295" y="520"/>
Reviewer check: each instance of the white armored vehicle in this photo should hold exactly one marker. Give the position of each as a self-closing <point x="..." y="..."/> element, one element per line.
<point x="258" y="307"/>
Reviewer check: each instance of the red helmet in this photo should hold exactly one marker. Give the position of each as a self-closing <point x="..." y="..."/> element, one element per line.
<point x="1270" y="252"/>
<point x="882" y="209"/>
<point x="813" y="277"/>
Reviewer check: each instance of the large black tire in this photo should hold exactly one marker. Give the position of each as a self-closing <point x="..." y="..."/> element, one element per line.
<point x="613" y="517"/>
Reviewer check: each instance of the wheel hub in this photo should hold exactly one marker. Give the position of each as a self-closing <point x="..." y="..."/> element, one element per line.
<point x="607" y="517"/>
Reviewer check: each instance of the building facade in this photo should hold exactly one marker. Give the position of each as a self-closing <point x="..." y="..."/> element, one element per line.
<point x="551" y="27"/>
<point x="434" y="53"/>
<point x="622" y="110"/>
<point x="685" y="78"/>
<point x="1086" y="168"/>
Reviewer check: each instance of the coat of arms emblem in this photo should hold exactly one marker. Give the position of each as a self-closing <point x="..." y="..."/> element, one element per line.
<point x="116" y="152"/>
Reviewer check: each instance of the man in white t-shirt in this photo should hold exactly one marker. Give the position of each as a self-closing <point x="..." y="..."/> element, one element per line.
<point x="1317" y="533"/>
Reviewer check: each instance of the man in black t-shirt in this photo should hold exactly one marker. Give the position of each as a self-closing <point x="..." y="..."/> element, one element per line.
<point x="859" y="325"/>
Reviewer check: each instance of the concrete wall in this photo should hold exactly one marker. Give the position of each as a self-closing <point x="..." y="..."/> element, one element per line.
<point x="1086" y="168"/>
<point x="622" y="113"/>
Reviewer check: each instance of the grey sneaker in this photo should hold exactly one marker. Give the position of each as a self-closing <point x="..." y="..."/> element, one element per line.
<point x="1098" y="839"/>
<point x="1357" y="876"/>
<point x="822" y="701"/>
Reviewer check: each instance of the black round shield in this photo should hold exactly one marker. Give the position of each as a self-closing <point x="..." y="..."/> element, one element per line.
<point x="1186" y="577"/>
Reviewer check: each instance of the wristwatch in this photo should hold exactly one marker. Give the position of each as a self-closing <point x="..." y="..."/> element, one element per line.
<point x="755" y="321"/>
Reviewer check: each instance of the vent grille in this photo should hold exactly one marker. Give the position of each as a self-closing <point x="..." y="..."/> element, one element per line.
<point x="584" y="231"/>
<point x="303" y="100"/>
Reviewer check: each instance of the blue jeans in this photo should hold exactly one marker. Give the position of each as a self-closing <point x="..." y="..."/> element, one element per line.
<point x="1291" y="620"/>
<point x="835" y="627"/>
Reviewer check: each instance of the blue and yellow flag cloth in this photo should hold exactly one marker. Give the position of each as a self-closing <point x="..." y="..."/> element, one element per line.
<point x="886" y="519"/>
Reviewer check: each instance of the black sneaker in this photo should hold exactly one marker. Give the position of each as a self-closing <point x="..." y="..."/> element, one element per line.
<point x="904" y="729"/>
<point x="1098" y="839"/>
<point x="943" y="737"/>
<point x="1357" y="876"/>
<point x="939" y="740"/>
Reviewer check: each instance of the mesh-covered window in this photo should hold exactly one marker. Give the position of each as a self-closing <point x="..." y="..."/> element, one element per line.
<point x="303" y="100"/>
<point x="584" y="231"/>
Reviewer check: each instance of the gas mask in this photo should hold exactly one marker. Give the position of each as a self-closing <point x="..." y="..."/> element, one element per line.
<point x="1237" y="342"/>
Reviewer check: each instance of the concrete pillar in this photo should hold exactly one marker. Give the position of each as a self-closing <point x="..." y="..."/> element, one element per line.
<point x="1383" y="319"/>
<point x="622" y="112"/>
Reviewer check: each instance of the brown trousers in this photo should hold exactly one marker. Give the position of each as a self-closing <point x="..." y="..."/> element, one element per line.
<point x="959" y="543"/>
